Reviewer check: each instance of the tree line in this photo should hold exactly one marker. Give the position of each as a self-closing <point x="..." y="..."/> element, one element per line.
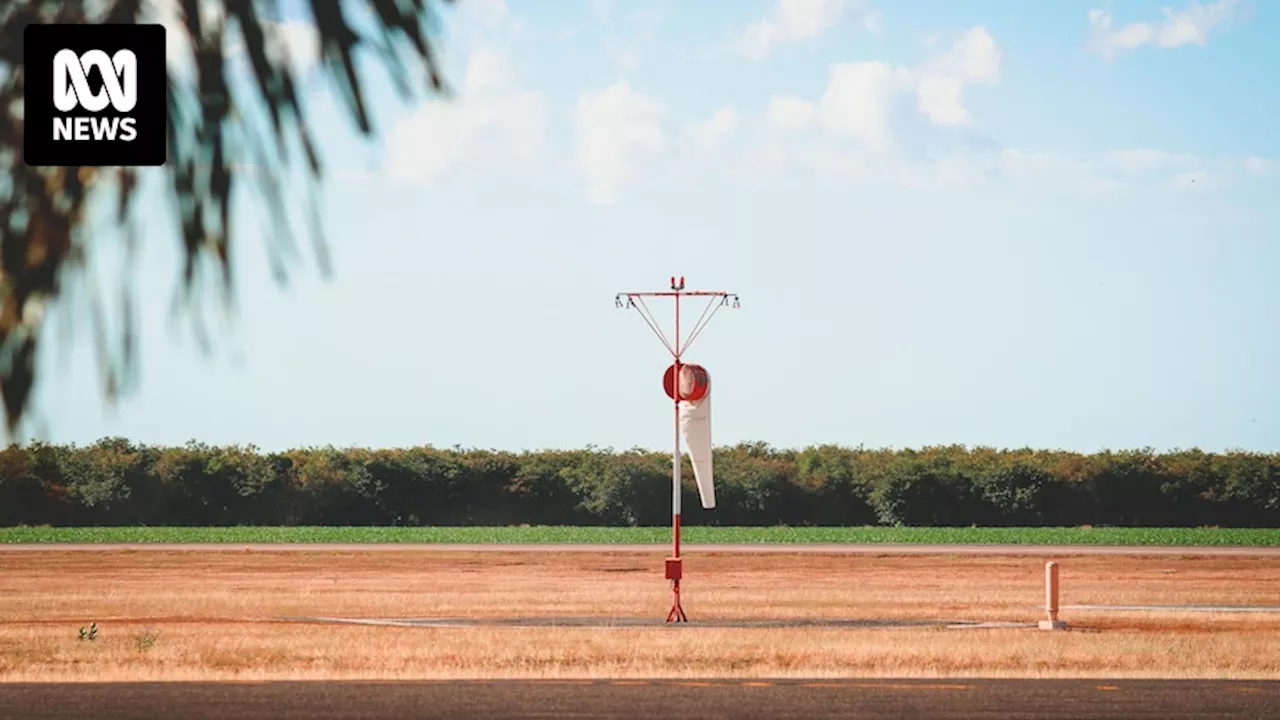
<point x="117" y="482"/>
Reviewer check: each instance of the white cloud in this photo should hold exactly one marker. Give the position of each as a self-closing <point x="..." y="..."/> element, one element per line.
<point x="974" y="58"/>
<point x="955" y="170"/>
<point x="1023" y="165"/>
<point x="1260" y="167"/>
<point x="790" y="112"/>
<point x="861" y="101"/>
<point x="614" y="126"/>
<point x="909" y="126"/>
<point x="1145" y="161"/>
<point x="1054" y="170"/>
<point x="940" y="99"/>
<point x="491" y="121"/>
<point x="875" y="102"/>
<point x="1188" y="26"/>
<point x="884" y="123"/>
<point x="714" y="131"/>
<point x="873" y="21"/>
<point x="796" y="20"/>
<point x="487" y="72"/>
<point x="1181" y="170"/>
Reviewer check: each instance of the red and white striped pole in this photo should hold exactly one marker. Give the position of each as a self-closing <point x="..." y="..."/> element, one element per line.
<point x="675" y="565"/>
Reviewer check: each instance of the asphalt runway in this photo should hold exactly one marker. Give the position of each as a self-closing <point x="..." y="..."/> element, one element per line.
<point x="737" y="699"/>
<point x="687" y="548"/>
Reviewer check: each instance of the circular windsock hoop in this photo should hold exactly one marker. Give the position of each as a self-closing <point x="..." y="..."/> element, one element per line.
<point x="695" y="382"/>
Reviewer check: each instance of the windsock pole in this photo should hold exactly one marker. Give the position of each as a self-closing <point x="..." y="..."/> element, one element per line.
<point x="674" y="564"/>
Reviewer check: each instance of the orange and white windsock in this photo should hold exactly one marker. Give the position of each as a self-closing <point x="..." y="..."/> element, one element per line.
<point x="695" y="431"/>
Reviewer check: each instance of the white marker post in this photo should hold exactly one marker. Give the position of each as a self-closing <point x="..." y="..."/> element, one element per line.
<point x="1051" y="598"/>
<point x="689" y="387"/>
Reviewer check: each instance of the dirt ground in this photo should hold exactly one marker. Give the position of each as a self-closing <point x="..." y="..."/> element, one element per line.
<point x="218" y="615"/>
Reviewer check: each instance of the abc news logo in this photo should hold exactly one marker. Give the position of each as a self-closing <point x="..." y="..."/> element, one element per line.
<point x="95" y="95"/>
<point x="71" y="90"/>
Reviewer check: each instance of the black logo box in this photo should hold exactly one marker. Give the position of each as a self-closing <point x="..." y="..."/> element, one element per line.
<point x="151" y="114"/>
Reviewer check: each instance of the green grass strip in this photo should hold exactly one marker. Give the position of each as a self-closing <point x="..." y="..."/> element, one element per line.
<point x="1238" y="537"/>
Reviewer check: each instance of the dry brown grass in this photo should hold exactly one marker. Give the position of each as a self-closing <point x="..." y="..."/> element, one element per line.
<point x="215" y="614"/>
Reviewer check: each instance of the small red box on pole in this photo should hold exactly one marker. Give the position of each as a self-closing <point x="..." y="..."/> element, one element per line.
<point x="674" y="568"/>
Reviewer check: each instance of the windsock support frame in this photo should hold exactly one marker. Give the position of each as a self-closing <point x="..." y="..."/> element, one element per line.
<point x="716" y="300"/>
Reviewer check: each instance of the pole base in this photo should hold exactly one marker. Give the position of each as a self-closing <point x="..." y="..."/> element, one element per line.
<point x="677" y="612"/>
<point x="1053" y="624"/>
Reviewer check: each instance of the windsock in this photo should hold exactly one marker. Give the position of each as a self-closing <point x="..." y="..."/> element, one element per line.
<point x="695" y="431"/>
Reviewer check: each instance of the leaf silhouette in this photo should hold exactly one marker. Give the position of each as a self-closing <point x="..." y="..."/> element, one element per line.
<point x="43" y="234"/>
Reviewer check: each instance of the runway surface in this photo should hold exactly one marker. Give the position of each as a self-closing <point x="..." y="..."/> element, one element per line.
<point x="738" y="699"/>
<point x="688" y="548"/>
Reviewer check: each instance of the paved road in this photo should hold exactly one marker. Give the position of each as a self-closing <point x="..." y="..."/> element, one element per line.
<point x="741" y="700"/>
<point x="688" y="548"/>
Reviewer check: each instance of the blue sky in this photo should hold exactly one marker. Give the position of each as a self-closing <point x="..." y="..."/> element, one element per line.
<point x="991" y="223"/>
